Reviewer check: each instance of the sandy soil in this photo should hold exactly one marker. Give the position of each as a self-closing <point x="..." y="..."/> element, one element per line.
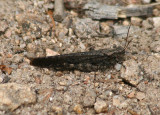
<point x="129" y="88"/>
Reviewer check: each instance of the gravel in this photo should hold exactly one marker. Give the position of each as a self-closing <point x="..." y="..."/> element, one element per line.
<point x="130" y="87"/>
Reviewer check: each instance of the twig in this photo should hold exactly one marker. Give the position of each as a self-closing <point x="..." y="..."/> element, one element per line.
<point x="50" y="14"/>
<point x="98" y="11"/>
<point x="59" y="10"/>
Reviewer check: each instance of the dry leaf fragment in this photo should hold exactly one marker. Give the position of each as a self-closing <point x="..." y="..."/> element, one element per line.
<point x="6" y="69"/>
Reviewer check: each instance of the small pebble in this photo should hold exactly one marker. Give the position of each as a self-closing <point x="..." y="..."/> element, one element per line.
<point x="1" y="77"/>
<point x="68" y="99"/>
<point x="146" y="1"/>
<point x="89" y="98"/>
<point x="62" y="83"/>
<point x="70" y="32"/>
<point x="59" y="73"/>
<point x="8" y="33"/>
<point x="146" y="24"/>
<point x="77" y="73"/>
<point x="44" y="39"/>
<point x="22" y="46"/>
<point x="78" y="109"/>
<point x="49" y="6"/>
<point x="96" y="84"/>
<point x="156" y="12"/>
<point x="9" y="55"/>
<point x="3" y="26"/>
<point x="17" y="59"/>
<point x="136" y="21"/>
<point x="57" y="110"/>
<point x="25" y="38"/>
<point x="108" y="76"/>
<point x="17" y="41"/>
<point x="131" y="95"/>
<point x="108" y="93"/>
<point x="140" y="95"/>
<point x="83" y="47"/>
<point x="126" y="23"/>
<point x="100" y="106"/>
<point x="118" y="67"/>
<point x="61" y="88"/>
<point x="120" y="102"/>
<point x="105" y="27"/>
<point x="156" y="22"/>
<point x="30" y="47"/>
<point x="50" y="52"/>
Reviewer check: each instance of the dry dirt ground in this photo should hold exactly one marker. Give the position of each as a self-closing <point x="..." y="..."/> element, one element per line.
<point x="129" y="88"/>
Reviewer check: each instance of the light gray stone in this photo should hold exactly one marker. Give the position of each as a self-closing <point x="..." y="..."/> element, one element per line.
<point x="89" y="98"/>
<point x="13" y="95"/>
<point x="86" y="27"/>
<point x="131" y="72"/>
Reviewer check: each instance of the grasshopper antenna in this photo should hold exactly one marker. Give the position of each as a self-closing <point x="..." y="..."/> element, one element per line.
<point x="127" y="42"/>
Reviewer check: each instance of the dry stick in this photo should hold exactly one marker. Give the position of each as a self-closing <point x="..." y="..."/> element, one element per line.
<point x="59" y="10"/>
<point x="98" y="11"/>
<point x="50" y="14"/>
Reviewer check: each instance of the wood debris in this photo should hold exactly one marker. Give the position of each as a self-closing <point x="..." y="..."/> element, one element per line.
<point x="98" y="11"/>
